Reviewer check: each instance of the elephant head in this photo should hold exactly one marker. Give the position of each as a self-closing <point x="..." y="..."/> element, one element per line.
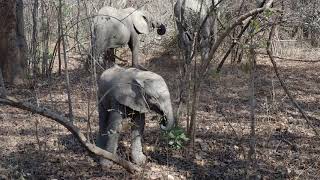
<point x="144" y="23"/>
<point x="190" y="15"/>
<point x="139" y="90"/>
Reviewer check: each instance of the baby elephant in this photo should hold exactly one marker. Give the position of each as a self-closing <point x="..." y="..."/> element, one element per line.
<point x="130" y="93"/>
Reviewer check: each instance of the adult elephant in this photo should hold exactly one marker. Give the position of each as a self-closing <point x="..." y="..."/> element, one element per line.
<point x="115" y="28"/>
<point x="190" y="16"/>
<point x="130" y="93"/>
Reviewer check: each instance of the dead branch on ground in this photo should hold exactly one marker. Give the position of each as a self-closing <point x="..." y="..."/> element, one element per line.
<point x="292" y="59"/>
<point x="7" y="100"/>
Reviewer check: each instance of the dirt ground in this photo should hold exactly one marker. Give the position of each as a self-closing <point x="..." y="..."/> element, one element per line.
<point x="33" y="147"/>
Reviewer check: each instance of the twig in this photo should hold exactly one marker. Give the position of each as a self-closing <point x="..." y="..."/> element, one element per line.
<point x="238" y="21"/>
<point x="238" y="38"/>
<point x="270" y="53"/>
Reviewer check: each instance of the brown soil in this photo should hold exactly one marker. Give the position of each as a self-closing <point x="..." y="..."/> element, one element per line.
<point x="33" y="147"/>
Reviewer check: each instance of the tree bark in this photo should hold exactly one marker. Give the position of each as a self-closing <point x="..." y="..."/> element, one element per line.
<point x="63" y="41"/>
<point x="12" y="41"/>
<point x="34" y="41"/>
<point x="45" y="38"/>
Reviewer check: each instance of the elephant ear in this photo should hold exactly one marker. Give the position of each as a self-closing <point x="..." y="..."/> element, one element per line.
<point x="131" y="95"/>
<point x="140" y="22"/>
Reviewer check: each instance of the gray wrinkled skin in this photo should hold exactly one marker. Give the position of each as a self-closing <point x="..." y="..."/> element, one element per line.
<point x="130" y="93"/>
<point x="115" y="28"/>
<point x="190" y="14"/>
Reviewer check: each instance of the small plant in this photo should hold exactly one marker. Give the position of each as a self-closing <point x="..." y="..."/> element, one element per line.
<point x="176" y="138"/>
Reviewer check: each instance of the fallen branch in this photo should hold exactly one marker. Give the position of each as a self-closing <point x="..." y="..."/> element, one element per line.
<point x="292" y="59"/>
<point x="270" y="53"/>
<point x="7" y="100"/>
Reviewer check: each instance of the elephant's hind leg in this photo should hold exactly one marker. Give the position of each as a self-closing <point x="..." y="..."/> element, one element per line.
<point x="136" y="145"/>
<point x="109" y="135"/>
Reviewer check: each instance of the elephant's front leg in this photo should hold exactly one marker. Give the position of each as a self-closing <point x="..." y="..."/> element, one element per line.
<point x="103" y="122"/>
<point x="134" y="47"/>
<point x="109" y="58"/>
<point x="111" y="135"/>
<point x="136" y="142"/>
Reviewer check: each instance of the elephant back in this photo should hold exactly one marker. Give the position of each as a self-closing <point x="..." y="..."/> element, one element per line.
<point x="111" y="28"/>
<point x="190" y="10"/>
<point x="119" y="84"/>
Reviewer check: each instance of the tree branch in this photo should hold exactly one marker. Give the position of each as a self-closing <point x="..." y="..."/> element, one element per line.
<point x="238" y="38"/>
<point x="270" y="53"/>
<point x="237" y="22"/>
<point x="292" y="59"/>
<point x="7" y="100"/>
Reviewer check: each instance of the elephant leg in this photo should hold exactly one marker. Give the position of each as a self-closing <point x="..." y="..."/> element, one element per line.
<point x="111" y="135"/>
<point x="113" y="129"/>
<point x="134" y="47"/>
<point x="103" y="118"/>
<point x="136" y="140"/>
<point x="109" y="58"/>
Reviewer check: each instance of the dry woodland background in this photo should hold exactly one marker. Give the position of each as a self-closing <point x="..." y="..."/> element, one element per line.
<point x="285" y="146"/>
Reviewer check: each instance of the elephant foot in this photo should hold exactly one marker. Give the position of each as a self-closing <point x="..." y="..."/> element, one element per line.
<point x="105" y="163"/>
<point x="138" y="158"/>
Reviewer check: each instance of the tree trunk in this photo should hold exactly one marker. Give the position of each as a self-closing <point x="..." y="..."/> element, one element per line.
<point x="45" y="39"/>
<point x="12" y="41"/>
<point x="63" y="41"/>
<point x="34" y="41"/>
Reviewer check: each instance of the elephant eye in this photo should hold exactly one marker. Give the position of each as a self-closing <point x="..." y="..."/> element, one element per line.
<point x="163" y="121"/>
<point x="145" y="18"/>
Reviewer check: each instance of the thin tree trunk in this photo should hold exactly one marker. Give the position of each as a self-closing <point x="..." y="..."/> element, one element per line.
<point x="62" y="37"/>
<point x="77" y="26"/>
<point x="59" y="33"/>
<point x="93" y="57"/>
<point x="34" y="40"/>
<point x="252" y="141"/>
<point x="45" y="39"/>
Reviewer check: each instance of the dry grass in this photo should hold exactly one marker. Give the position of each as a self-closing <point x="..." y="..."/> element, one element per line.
<point x="286" y="146"/>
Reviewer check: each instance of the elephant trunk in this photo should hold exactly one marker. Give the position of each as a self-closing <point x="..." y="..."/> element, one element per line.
<point x="161" y="28"/>
<point x="168" y="122"/>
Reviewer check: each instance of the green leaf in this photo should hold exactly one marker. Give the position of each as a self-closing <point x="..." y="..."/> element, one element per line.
<point x="171" y="135"/>
<point x="268" y="13"/>
<point x="171" y="143"/>
<point x="179" y="143"/>
<point x="255" y="24"/>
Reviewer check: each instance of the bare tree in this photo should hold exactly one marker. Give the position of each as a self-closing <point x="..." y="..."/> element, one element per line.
<point x="62" y="38"/>
<point x="45" y="38"/>
<point x="34" y="41"/>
